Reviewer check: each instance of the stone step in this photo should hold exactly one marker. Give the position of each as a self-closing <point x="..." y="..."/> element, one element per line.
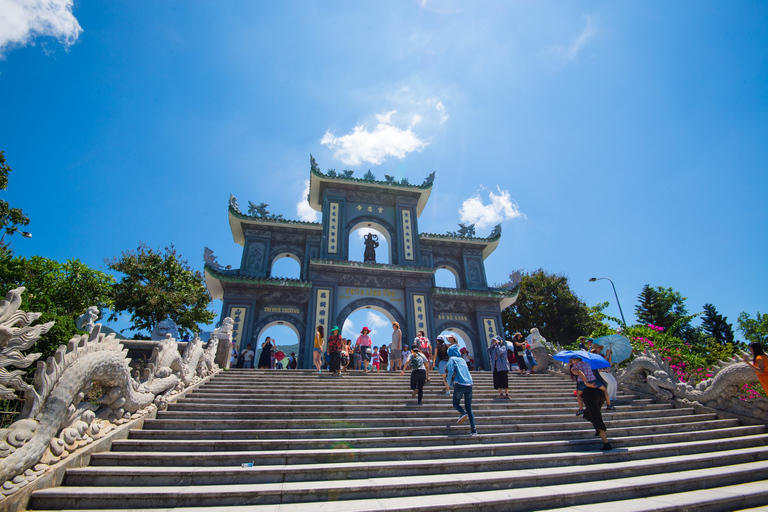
<point x="406" y="411"/>
<point x="145" y="475"/>
<point x="682" y="423"/>
<point x="196" y="444"/>
<point x="533" y="489"/>
<point x="385" y="402"/>
<point x="326" y="446"/>
<point x="508" y="422"/>
<point x="715" y="499"/>
<point x="483" y="447"/>
<point x="405" y="418"/>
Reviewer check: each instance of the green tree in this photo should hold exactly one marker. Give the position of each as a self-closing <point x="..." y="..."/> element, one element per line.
<point x="714" y="325"/>
<point x="547" y="302"/>
<point x="10" y="218"/>
<point x="60" y="291"/>
<point x="755" y="330"/>
<point x="158" y="285"/>
<point x="665" y="307"/>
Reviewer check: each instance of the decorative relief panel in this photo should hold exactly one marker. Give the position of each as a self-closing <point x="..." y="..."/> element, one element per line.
<point x="489" y="330"/>
<point x="408" y="247"/>
<point x="419" y="312"/>
<point x="333" y="228"/>
<point x="323" y="308"/>
<point x="255" y="260"/>
<point x="237" y="314"/>
<point x="369" y="208"/>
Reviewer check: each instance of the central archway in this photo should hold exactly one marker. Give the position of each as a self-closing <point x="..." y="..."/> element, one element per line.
<point x="378" y="305"/>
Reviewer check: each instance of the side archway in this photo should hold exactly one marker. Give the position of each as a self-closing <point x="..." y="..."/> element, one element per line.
<point x="285" y="320"/>
<point x="468" y="335"/>
<point x="278" y="255"/>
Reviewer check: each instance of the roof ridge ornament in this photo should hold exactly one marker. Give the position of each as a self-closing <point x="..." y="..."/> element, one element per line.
<point x="233" y="203"/>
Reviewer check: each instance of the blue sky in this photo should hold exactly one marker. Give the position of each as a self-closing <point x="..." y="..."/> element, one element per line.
<point x="618" y="139"/>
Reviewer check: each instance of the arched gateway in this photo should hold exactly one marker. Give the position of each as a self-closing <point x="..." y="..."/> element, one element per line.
<point x="331" y="286"/>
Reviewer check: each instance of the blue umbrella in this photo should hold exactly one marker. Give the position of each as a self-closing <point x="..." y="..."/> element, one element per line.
<point x="620" y="346"/>
<point x="596" y="361"/>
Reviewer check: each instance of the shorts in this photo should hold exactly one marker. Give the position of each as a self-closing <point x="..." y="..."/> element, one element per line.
<point x="581" y="386"/>
<point x="442" y="366"/>
<point x="396" y="355"/>
<point x="376" y="365"/>
<point x="316" y="350"/>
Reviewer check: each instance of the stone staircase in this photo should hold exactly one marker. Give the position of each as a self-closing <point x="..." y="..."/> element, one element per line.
<point x="361" y="443"/>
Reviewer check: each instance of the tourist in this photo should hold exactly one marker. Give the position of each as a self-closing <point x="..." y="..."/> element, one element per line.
<point x="319" y="348"/>
<point x="364" y="342"/>
<point x="266" y="349"/>
<point x="233" y="357"/>
<point x="376" y="359"/>
<point x="759" y="363"/>
<point x="599" y="376"/>
<point x="593" y="397"/>
<point x="272" y="359"/>
<point x="418" y="364"/>
<point x="460" y="379"/>
<point x="335" y="344"/>
<point x="530" y="361"/>
<point x="540" y="354"/>
<point x="248" y="356"/>
<point x="293" y="361"/>
<point x="405" y="356"/>
<point x="397" y="347"/>
<point x="356" y="357"/>
<point x="424" y="346"/>
<point x="519" y="343"/>
<point x="440" y="358"/>
<point x="497" y="355"/>
<point x="384" y="357"/>
<point x="345" y="351"/>
<point x="607" y="373"/>
<point x="467" y="359"/>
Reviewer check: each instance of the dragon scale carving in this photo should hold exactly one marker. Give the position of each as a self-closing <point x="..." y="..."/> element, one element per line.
<point x="56" y="418"/>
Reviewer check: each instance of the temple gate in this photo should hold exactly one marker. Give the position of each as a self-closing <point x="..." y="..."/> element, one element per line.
<point x="331" y="287"/>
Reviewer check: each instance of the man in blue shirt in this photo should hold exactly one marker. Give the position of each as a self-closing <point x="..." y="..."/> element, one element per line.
<point x="459" y="378"/>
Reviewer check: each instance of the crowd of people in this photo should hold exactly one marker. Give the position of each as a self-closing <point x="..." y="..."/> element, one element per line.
<point x="270" y="357"/>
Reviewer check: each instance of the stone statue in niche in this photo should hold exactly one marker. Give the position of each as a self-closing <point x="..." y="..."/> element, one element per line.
<point x="371" y="243"/>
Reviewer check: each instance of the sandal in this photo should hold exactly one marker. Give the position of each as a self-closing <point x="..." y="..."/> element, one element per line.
<point x="579" y="412"/>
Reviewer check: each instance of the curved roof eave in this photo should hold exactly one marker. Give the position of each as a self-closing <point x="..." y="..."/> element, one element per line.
<point x="489" y="245"/>
<point x="315" y="180"/>
<point x="214" y="285"/>
<point x="236" y="225"/>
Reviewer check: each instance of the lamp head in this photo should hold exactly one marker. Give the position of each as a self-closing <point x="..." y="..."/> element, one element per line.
<point x="592" y="279"/>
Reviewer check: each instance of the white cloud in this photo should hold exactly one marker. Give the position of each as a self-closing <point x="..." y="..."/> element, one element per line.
<point x="500" y="208"/>
<point x="348" y="330"/>
<point x="440" y="108"/>
<point x="303" y="210"/>
<point x="22" y="20"/>
<point x="574" y="48"/>
<point x="386" y="140"/>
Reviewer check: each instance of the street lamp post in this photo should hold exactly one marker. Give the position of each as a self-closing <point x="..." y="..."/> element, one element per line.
<point x="593" y="279"/>
<point x="15" y="229"/>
